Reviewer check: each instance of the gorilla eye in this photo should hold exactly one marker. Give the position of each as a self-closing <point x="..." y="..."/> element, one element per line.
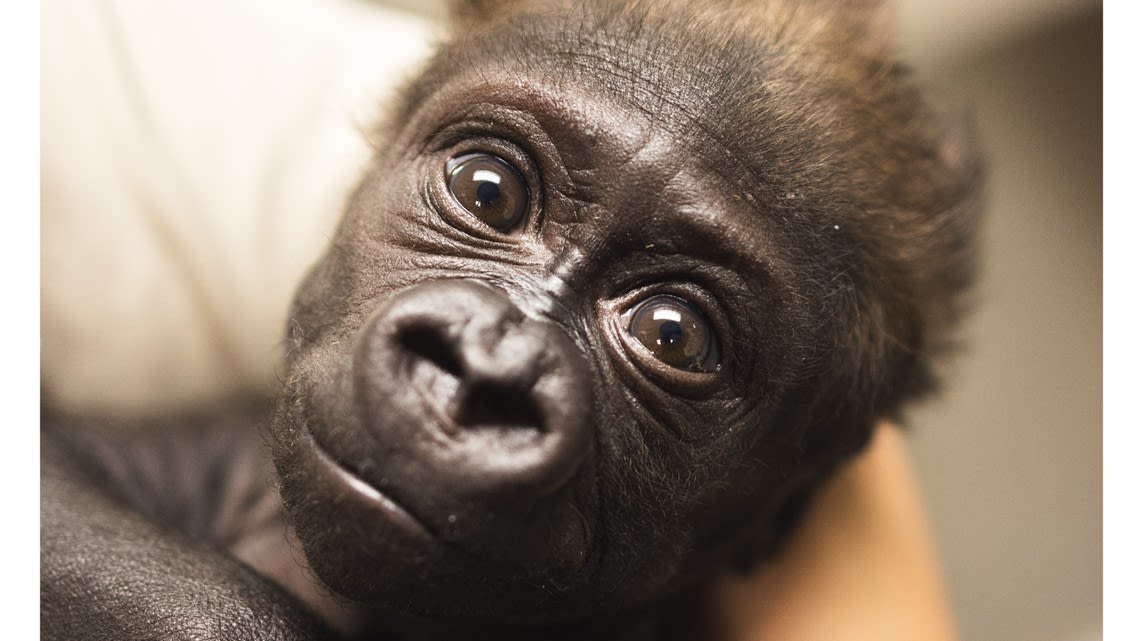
<point x="489" y="189"/>
<point x="675" y="333"/>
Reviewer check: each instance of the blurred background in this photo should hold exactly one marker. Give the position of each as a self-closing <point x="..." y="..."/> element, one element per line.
<point x="1009" y="455"/>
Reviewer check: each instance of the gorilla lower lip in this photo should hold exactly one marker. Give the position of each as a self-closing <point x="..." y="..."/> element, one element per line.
<point x="364" y="492"/>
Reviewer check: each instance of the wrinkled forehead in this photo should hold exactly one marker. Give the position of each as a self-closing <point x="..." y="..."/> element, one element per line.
<point x="675" y="76"/>
<point x="754" y="108"/>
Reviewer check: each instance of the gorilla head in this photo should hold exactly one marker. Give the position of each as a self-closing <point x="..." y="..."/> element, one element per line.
<point x="625" y="282"/>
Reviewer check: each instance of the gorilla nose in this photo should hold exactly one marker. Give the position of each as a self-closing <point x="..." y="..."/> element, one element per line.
<point x="463" y="389"/>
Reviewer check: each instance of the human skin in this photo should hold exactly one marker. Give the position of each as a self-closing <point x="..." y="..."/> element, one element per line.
<point x="862" y="566"/>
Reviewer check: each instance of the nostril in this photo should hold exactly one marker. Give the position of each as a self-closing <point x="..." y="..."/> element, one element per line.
<point x="483" y="403"/>
<point x="493" y="405"/>
<point x="428" y="344"/>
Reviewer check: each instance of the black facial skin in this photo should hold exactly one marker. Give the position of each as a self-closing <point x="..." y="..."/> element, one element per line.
<point x="625" y="284"/>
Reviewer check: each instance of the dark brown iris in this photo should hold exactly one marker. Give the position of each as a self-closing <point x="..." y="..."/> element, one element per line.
<point x="489" y="189"/>
<point x="675" y="333"/>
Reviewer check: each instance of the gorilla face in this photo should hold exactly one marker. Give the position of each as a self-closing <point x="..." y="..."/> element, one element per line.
<point x="620" y="289"/>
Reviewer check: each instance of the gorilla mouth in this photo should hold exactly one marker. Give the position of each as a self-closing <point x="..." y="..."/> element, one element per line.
<point x="356" y="489"/>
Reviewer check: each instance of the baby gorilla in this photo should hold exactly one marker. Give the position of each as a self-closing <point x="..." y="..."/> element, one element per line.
<point x="625" y="284"/>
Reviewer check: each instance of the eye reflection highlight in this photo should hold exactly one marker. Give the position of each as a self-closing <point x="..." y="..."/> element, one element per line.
<point x="675" y="333"/>
<point x="489" y="189"/>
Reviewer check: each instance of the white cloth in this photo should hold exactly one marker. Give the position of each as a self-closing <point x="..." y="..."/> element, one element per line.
<point x="194" y="159"/>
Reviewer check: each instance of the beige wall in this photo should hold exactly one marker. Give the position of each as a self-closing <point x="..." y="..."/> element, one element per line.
<point x="1010" y="457"/>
